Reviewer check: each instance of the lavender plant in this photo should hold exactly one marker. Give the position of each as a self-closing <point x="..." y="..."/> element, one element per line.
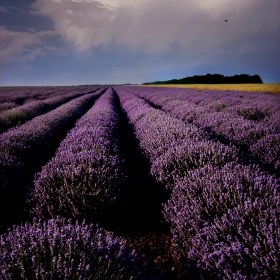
<point x="267" y="150"/>
<point x="191" y="154"/>
<point x="61" y="249"/>
<point x="235" y="130"/>
<point x="88" y="170"/>
<point x="227" y="221"/>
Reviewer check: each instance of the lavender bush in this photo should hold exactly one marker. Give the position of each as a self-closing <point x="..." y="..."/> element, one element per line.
<point x="236" y="130"/>
<point x="61" y="249"/>
<point x="88" y="170"/>
<point x="227" y="220"/>
<point x="251" y="113"/>
<point x="267" y="150"/>
<point x="191" y="154"/>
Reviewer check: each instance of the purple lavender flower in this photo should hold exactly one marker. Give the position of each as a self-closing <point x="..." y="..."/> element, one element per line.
<point x="60" y="249"/>
<point x="226" y="220"/>
<point x="267" y="150"/>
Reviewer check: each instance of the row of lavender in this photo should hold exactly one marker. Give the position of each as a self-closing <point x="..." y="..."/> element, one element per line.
<point x="21" y="114"/>
<point x="224" y="216"/>
<point x="248" y="120"/>
<point x="12" y="97"/>
<point x="82" y="180"/>
<point x="63" y="249"/>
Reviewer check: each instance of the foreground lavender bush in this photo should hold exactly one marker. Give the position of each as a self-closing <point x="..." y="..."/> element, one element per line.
<point x="227" y="220"/>
<point x="60" y="249"/>
<point x="87" y="172"/>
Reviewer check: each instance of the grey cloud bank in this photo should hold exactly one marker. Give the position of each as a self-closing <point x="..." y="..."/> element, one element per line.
<point x="137" y="41"/>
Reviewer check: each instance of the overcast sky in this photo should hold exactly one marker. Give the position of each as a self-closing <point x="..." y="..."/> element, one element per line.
<point x="73" y="42"/>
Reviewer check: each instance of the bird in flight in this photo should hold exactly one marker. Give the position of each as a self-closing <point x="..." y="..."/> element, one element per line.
<point x="226" y="20"/>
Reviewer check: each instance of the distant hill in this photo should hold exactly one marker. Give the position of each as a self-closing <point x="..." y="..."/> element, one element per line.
<point x="213" y="79"/>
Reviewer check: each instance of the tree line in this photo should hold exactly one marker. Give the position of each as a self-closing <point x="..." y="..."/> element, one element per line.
<point x="213" y="79"/>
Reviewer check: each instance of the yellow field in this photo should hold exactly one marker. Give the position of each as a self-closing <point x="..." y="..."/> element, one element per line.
<point x="275" y="88"/>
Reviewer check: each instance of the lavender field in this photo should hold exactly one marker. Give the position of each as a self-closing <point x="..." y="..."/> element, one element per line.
<point x="136" y="182"/>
